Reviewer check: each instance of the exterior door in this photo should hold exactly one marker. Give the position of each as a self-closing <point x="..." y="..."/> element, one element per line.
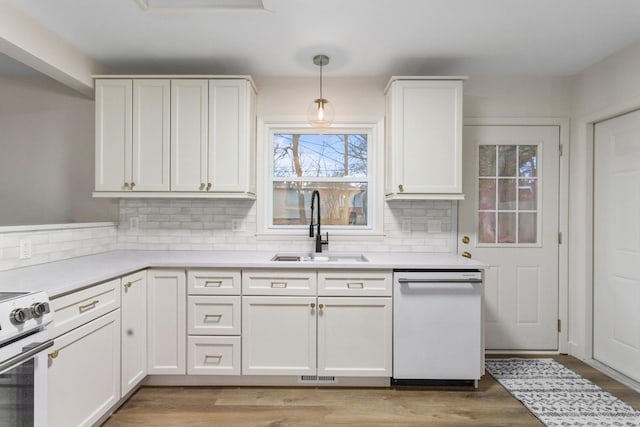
<point x="509" y="219"/>
<point x="616" y="244"/>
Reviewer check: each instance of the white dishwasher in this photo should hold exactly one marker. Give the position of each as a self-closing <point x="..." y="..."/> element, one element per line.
<point x="437" y="327"/>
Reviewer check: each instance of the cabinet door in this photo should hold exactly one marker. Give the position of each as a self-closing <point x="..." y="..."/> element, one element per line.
<point x="426" y="137"/>
<point x="84" y="375"/>
<point x="189" y="130"/>
<point x="354" y="337"/>
<point x="228" y="135"/>
<point x="133" y="312"/>
<point x="166" y="320"/>
<point x="150" y="159"/>
<point x="114" y="98"/>
<point x="279" y="335"/>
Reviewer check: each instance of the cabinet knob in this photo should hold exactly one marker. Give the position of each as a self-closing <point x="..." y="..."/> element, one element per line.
<point x="133" y="184"/>
<point x="209" y="185"/>
<point x="202" y="185"/>
<point x="466" y="240"/>
<point x="125" y="185"/>
<point x="313" y="305"/>
<point x="401" y="188"/>
<point x="127" y="285"/>
<point x="320" y="306"/>
<point x="54" y="354"/>
<point x="466" y="254"/>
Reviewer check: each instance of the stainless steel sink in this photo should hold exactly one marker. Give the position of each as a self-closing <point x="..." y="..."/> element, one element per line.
<point x="320" y="257"/>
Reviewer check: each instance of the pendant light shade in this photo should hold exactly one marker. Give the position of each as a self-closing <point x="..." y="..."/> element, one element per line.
<point x="320" y="112"/>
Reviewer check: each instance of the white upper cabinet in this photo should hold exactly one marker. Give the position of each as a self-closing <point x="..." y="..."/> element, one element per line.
<point x="114" y="100"/>
<point x="132" y="135"/>
<point x="150" y="160"/>
<point x="182" y="137"/>
<point x="231" y="130"/>
<point x="423" y="147"/>
<point x="189" y="135"/>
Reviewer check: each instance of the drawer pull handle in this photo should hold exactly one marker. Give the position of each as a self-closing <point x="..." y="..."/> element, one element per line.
<point x="89" y="306"/>
<point x="53" y="354"/>
<point x="213" y="283"/>
<point x="216" y="317"/>
<point x="355" y="285"/>
<point x="278" y="284"/>
<point x="218" y="357"/>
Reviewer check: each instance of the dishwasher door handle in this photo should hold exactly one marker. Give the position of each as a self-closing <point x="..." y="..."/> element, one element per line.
<point x="431" y="281"/>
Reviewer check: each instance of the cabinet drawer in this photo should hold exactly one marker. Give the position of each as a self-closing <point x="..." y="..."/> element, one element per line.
<point x="213" y="356"/>
<point x="360" y="283"/>
<point x="279" y="282"/>
<point x="213" y="282"/>
<point x="213" y="315"/>
<point x="78" y="308"/>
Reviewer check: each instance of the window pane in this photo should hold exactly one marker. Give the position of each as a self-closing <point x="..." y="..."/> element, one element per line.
<point x="528" y="195"/>
<point x="506" y="227"/>
<point x="507" y="194"/>
<point x="487" y="194"/>
<point x="507" y="160"/>
<point x="528" y="160"/>
<point x="341" y="203"/>
<point x="487" y="160"/>
<point x="320" y="155"/>
<point x="486" y="227"/>
<point x="527" y="228"/>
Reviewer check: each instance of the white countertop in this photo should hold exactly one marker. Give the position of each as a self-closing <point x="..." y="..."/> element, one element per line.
<point x="60" y="277"/>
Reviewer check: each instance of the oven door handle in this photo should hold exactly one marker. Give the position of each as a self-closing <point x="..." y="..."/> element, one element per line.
<point x="29" y="351"/>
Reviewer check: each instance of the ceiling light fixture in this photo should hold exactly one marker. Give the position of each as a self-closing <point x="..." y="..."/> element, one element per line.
<point x="182" y="5"/>
<point x="320" y="112"/>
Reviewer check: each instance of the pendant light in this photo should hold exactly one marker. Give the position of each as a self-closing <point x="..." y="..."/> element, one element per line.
<point x="320" y="112"/>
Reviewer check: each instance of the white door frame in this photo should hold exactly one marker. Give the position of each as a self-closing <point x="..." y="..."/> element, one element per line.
<point x="581" y="280"/>
<point x="563" y="208"/>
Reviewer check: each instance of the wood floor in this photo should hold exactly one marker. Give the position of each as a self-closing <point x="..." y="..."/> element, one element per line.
<point x="489" y="405"/>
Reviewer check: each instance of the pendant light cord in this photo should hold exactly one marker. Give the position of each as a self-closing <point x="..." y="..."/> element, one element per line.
<point x="321" y="62"/>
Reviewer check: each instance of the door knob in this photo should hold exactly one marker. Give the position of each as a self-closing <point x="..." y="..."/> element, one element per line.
<point x="466" y="254"/>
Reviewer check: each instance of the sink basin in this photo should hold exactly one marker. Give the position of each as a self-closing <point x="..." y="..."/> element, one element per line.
<point x="313" y="257"/>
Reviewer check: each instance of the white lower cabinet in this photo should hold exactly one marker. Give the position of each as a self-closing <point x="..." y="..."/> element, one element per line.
<point x="84" y="372"/>
<point x="213" y="355"/>
<point x="278" y="335"/>
<point x="354" y="337"/>
<point x="348" y="336"/>
<point x="133" y="312"/>
<point x="166" y="316"/>
<point x="213" y="322"/>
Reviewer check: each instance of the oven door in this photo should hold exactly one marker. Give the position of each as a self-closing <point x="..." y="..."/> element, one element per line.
<point x="23" y="381"/>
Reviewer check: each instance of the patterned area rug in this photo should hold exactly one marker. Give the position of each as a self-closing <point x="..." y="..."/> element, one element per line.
<point x="560" y="397"/>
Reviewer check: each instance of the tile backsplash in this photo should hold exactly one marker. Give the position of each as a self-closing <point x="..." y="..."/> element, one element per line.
<point x="198" y="224"/>
<point x="49" y="243"/>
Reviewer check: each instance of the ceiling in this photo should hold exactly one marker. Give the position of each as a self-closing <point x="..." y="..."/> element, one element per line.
<point x="362" y="37"/>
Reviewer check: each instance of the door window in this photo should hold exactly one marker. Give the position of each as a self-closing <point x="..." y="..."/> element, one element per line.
<point x="508" y="200"/>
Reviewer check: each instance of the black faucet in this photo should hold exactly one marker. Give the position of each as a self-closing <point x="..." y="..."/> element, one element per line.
<point x="318" y="236"/>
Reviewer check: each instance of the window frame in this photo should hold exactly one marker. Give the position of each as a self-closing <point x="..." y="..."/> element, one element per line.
<point x="375" y="172"/>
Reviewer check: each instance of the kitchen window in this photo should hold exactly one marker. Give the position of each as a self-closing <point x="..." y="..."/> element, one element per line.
<point x="337" y="162"/>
